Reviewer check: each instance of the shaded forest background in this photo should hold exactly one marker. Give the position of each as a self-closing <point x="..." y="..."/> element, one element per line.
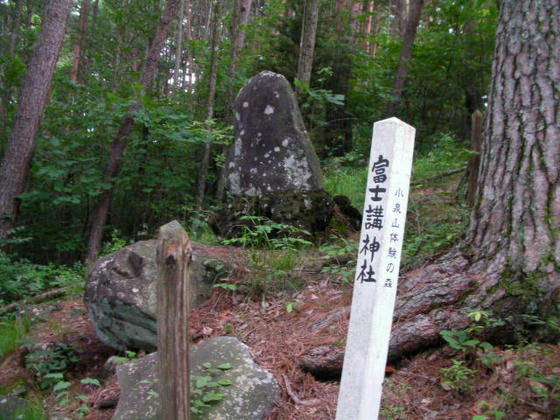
<point x="355" y="62"/>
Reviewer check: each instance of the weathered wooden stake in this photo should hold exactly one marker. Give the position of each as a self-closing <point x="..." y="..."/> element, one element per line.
<point x="174" y="260"/>
<point x="377" y="271"/>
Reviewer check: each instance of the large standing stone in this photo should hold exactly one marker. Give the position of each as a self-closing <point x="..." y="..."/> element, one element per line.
<point x="250" y="396"/>
<point x="272" y="151"/>
<point x="272" y="169"/>
<point x="120" y="292"/>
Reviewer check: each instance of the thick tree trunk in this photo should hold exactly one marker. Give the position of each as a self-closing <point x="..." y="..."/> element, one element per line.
<point x="406" y="54"/>
<point x="210" y="102"/>
<point x="147" y="76"/>
<point x="511" y="259"/>
<point x="33" y="98"/>
<point x="307" y="42"/>
<point x="510" y="262"/>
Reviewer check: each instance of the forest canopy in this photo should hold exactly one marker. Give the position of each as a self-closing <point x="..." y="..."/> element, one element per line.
<point x="210" y="49"/>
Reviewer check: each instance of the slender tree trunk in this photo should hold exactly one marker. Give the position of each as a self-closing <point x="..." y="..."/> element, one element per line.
<point x="242" y="13"/>
<point x="406" y="54"/>
<point x="122" y="138"/>
<point x="33" y="98"/>
<point x="398" y="18"/>
<point x="189" y="67"/>
<point x="215" y="45"/>
<point x="369" y="7"/>
<point x="307" y="42"/>
<point x="80" y="44"/>
<point x="14" y="36"/>
<point x="179" y="51"/>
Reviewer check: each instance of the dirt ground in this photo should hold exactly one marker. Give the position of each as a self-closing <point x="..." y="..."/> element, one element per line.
<point x="523" y="384"/>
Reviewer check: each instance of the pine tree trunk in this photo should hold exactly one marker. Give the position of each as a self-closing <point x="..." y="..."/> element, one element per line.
<point x="80" y="42"/>
<point x="33" y="98"/>
<point x="179" y="50"/>
<point x="215" y="57"/>
<point x="122" y="138"/>
<point x="406" y="54"/>
<point x="241" y="19"/>
<point x="307" y="42"/>
<point x="510" y="262"/>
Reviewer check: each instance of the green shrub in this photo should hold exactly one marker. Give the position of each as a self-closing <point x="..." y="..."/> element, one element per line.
<point x="20" y="278"/>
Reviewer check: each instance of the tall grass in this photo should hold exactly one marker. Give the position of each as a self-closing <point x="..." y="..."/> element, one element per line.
<point x="11" y="331"/>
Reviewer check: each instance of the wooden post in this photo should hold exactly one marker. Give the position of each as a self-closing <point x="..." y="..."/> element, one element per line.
<point x="377" y="271"/>
<point x="474" y="162"/>
<point x="174" y="260"/>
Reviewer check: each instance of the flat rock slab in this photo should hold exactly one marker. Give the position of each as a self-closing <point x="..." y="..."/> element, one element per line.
<point x="251" y="395"/>
<point x="120" y="292"/>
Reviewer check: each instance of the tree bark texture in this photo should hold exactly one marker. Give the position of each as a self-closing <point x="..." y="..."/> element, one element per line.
<point x="406" y="54"/>
<point x="215" y="57"/>
<point x="474" y="161"/>
<point x="14" y="36"/>
<point x="179" y="50"/>
<point x="307" y="42"/>
<point x="517" y="215"/>
<point x="510" y="262"/>
<point x="33" y="99"/>
<point x="174" y="257"/>
<point x="242" y="13"/>
<point x="81" y="41"/>
<point x="123" y="136"/>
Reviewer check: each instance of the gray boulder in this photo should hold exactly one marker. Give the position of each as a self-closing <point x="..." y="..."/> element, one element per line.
<point x="272" y="169"/>
<point x="250" y="396"/>
<point x="272" y="151"/>
<point x="120" y="292"/>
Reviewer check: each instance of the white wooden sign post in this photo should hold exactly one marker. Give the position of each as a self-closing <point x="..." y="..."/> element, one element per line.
<point x="377" y="270"/>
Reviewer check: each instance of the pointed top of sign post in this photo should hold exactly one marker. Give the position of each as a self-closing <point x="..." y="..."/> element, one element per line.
<point x="394" y="120"/>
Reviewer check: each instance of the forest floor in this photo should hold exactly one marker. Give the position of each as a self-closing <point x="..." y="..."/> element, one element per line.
<point x="521" y="381"/>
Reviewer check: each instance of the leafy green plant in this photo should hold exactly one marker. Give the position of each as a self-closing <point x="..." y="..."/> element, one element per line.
<point x="463" y="341"/>
<point x="49" y="363"/>
<point x="338" y="250"/>
<point x="458" y="377"/>
<point x="116" y="243"/>
<point x="20" y="278"/>
<point x="205" y="388"/>
<point x="129" y="356"/>
<point x="261" y="232"/>
<point x="488" y="414"/>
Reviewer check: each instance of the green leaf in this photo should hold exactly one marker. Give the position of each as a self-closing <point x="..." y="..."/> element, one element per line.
<point x="225" y="366"/>
<point x="213" y="397"/>
<point x="90" y="381"/>
<point x="202" y="381"/>
<point x="207" y="365"/>
<point x="61" y="385"/>
<point x="225" y="382"/>
<point x="56" y="375"/>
